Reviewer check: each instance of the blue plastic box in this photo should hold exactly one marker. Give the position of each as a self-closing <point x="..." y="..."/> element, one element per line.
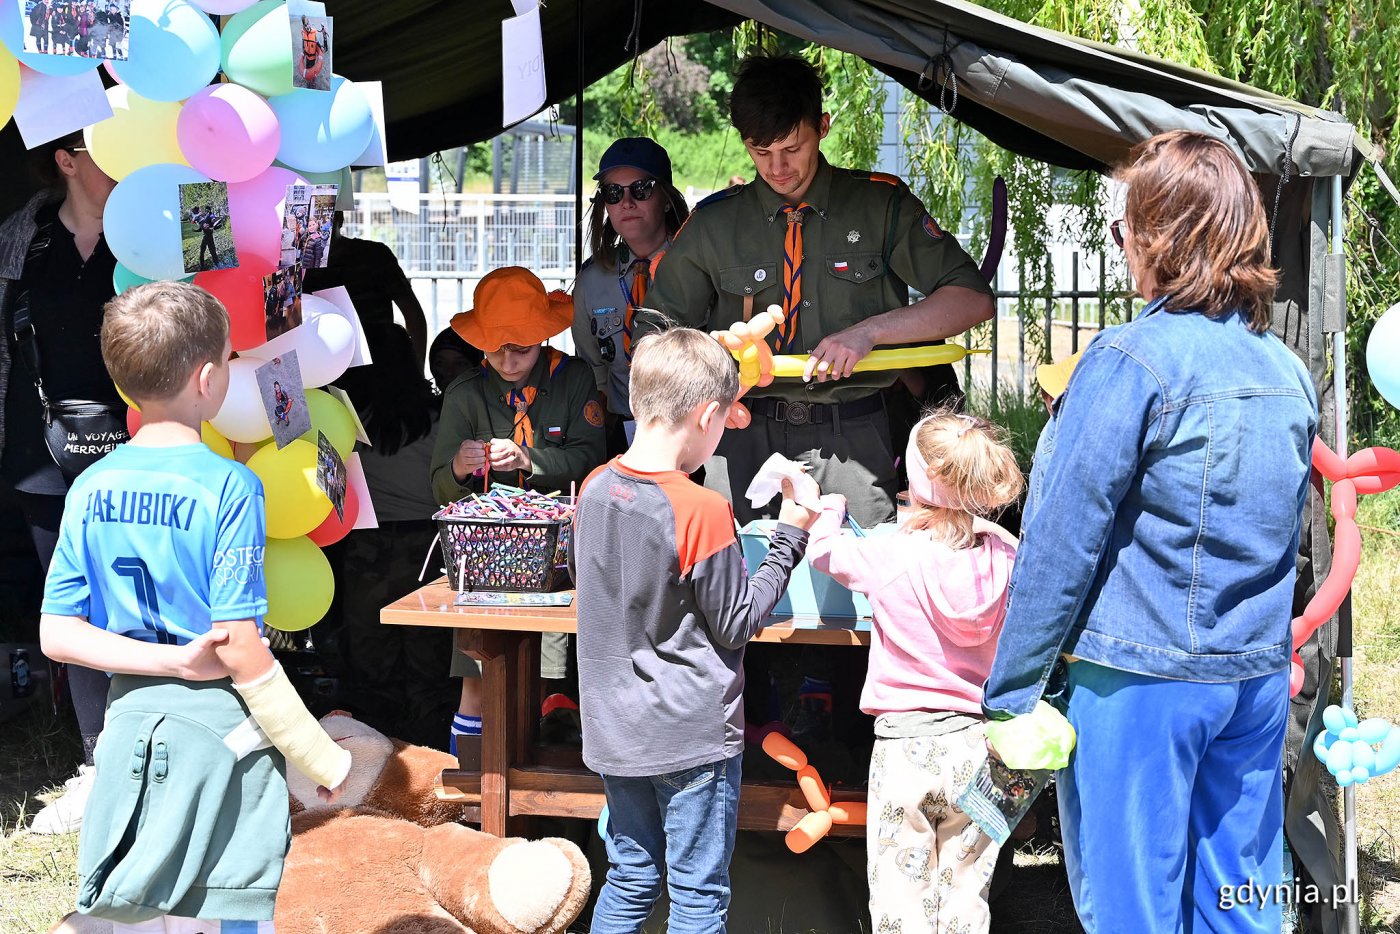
<point x="810" y="592"/>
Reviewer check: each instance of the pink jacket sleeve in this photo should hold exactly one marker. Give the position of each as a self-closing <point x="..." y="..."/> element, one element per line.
<point x="852" y="562"/>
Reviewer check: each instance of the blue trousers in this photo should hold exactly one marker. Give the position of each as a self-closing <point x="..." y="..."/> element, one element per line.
<point x="1172" y="803"/>
<point x="683" y="822"/>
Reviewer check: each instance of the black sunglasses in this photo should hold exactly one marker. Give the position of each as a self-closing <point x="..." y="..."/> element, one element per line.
<point x="1116" y="228"/>
<point x="641" y="189"/>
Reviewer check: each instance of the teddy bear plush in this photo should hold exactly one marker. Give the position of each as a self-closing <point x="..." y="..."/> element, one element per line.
<point x="389" y="857"/>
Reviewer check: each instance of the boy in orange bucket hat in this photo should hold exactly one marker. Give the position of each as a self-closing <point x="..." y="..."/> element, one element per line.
<point x="529" y="417"/>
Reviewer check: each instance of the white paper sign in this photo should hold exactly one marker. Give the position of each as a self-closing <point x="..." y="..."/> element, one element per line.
<point x="522" y="66"/>
<point x="375" y="151"/>
<point x="402" y="180"/>
<point x="355" y="477"/>
<point x="305" y="8"/>
<point x="52" y="106"/>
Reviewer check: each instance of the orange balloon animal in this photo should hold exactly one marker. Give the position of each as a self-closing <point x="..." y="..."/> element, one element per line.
<point x="824" y="812"/>
<point x="1372" y="470"/>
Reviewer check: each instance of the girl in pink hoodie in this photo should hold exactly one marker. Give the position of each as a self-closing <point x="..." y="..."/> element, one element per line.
<point x="938" y="592"/>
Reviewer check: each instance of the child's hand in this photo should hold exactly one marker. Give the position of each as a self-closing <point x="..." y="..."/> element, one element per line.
<point x="793" y="514"/>
<point x="507" y="455"/>
<point x="198" y="661"/>
<point x="470" y="460"/>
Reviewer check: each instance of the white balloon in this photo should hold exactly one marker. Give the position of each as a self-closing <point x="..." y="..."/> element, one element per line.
<point x="324" y="342"/>
<point x="222" y="7"/>
<point x="242" y="416"/>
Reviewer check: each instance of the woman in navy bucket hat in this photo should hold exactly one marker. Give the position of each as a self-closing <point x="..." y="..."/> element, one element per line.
<point x="636" y="211"/>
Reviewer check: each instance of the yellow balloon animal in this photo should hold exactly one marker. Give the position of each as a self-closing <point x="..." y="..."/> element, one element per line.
<point x="758" y="365"/>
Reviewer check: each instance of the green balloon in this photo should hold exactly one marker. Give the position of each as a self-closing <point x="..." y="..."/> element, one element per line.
<point x="257" y="48"/>
<point x="332" y="419"/>
<point x="123" y="279"/>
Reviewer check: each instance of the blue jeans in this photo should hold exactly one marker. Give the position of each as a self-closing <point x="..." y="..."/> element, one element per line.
<point x="683" y="821"/>
<point x="1172" y="803"/>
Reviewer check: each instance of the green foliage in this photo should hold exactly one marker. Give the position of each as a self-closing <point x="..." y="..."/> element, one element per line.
<point x="857" y="117"/>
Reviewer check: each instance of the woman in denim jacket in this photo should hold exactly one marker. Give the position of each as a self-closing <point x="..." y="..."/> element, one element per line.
<point x="1159" y="555"/>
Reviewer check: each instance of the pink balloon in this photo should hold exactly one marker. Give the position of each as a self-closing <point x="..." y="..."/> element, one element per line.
<point x="228" y="132"/>
<point x="255" y="210"/>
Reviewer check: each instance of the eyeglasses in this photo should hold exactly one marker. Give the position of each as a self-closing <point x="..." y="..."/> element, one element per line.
<point x="1117" y="228"/>
<point x="641" y="189"/>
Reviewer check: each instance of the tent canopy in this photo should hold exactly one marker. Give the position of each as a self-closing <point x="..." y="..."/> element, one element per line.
<point x="1040" y="93"/>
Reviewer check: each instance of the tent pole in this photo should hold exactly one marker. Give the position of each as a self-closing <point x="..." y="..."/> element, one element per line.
<point x="578" y="144"/>
<point x="1350" y="918"/>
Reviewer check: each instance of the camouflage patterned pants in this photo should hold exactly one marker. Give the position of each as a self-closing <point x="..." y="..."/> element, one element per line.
<point x="928" y="864"/>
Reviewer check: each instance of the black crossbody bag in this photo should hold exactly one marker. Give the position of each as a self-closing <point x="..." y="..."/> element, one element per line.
<point x="77" y="432"/>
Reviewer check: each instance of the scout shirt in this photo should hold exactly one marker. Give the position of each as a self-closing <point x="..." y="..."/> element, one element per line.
<point x="566" y="419"/>
<point x="601" y="297"/>
<point x="868" y="241"/>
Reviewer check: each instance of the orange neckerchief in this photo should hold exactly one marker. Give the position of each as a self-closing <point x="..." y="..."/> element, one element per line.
<point x="792" y="274"/>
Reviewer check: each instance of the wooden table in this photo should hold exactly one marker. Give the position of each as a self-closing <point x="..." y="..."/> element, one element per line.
<point x="519" y="778"/>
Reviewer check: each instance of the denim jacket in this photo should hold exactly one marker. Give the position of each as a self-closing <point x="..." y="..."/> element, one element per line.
<point x="1164" y="510"/>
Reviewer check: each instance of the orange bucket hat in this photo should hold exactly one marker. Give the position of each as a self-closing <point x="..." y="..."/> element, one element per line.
<point x="512" y="307"/>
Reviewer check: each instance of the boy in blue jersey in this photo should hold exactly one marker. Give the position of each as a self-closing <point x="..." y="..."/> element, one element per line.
<point x="158" y="578"/>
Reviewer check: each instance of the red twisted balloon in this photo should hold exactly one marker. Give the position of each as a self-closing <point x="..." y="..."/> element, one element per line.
<point x="1372" y="470"/>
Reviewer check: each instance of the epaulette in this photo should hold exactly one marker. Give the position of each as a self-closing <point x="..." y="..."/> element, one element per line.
<point x="718" y="196"/>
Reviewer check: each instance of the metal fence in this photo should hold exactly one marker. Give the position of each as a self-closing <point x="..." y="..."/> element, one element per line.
<point x="447" y="243"/>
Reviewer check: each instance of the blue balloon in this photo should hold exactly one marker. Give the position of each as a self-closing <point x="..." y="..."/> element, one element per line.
<point x="13" y="33"/>
<point x="1383" y="355"/>
<point x="141" y="221"/>
<point x="174" y="50"/>
<point x="1348" y="748"/>
<point x="323" y="130"/>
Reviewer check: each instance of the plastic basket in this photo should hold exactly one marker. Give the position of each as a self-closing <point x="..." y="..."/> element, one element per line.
<point x="511" y="555"/>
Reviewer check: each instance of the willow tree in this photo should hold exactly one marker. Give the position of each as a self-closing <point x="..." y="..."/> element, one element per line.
<point x="1332" y="54"/>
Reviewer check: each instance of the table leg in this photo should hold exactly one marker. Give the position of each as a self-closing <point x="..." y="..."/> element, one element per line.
<point x="493" y="650"/>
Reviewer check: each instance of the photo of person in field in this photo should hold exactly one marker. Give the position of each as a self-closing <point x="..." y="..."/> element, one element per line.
<point x="204" y="228"/>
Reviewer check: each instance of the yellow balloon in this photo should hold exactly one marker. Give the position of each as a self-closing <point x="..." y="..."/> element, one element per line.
<point x="295" y="504"/>
<point x="896" y="358"/>
<point x="9" y="85"/>
<point x="139" y="133"/>
<point x="331" y="418"/>
<point x="299" y="583"/>
<point x="215" y="441"/>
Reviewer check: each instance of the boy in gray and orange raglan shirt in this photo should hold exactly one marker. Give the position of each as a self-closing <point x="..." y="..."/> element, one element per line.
<point x="665" y="607"/>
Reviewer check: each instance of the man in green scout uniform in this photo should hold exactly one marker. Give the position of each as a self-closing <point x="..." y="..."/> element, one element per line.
<point x="839" y="250"/>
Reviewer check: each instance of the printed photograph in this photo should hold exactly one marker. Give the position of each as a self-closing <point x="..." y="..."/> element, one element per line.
<point x="330" y="474"/>
<point x="311" y="52"/>
<point x="282" y="300"/>
<point x="204" y="228"/>
<point x="85" y="28"/>
<point x="284" y="398"/>
<point x="308" y="218"/>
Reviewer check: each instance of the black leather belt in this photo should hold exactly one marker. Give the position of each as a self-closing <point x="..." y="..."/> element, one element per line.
<point x="814" y="413"/>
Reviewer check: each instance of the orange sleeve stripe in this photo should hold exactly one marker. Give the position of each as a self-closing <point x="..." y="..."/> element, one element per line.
<point x="886" y="177"/>
<point x="704" y="521"/>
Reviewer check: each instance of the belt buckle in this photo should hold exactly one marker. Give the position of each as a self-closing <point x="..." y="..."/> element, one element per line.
<point x="798" y="413"/>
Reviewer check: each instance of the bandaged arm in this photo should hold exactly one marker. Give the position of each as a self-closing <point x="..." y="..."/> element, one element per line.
<point x="274" y="704"/>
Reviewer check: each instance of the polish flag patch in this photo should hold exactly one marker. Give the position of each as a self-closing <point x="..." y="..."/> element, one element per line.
<point x="840" y="265"/>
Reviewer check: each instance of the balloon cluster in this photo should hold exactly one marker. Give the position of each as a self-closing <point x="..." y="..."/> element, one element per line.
<point x="258" y="133"/>
<point x="1356" y="751"/>
<point x="822" y="811"/>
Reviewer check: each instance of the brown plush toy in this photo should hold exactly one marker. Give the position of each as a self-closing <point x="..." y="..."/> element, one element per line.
<point x="387" y="857"/>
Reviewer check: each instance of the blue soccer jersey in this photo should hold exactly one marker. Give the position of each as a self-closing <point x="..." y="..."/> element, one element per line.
<point x="158" y="543"/>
